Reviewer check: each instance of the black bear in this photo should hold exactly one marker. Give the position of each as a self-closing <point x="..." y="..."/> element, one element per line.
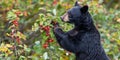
<point x="84" y="39"/>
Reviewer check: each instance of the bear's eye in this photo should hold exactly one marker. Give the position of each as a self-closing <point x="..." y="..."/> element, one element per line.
<point x="70" y="14"/>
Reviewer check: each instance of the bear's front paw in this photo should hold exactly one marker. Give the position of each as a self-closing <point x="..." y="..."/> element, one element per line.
<point x="54" y="23"/>
<point x="57" y="28"/>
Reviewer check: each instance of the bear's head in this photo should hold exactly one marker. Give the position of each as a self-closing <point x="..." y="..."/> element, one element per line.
<point x="77" y="15"/>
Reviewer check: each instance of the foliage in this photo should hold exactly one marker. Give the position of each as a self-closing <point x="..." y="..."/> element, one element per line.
<point x="26" y="32"/>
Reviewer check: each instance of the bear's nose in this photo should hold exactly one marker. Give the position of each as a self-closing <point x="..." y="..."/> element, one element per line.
<point x="65" y="17"/>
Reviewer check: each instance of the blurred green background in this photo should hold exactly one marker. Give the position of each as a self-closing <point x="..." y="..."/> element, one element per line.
<point x="26" y="32"/>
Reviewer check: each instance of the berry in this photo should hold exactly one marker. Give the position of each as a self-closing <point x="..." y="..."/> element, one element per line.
<point x="47" y="34"/>
<point x="15" y="22"/>
<point x="50" y="40"/>
<point x="18" y="40"/>
<point x="45" y="45"/>
<point x="18" y="13"/>
<point x="41" y="26"/>
<point x="55" y="2"/>
<point x="46" y="28"/>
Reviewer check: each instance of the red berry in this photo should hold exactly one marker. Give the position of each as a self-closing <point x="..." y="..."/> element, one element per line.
<point x="50" y="40"/>
<point x="18" y="13"/>
<point x="41" y="26"/>
<point x="54" y="2"/>
<point x="18" y="40"/>
<point x="45" y="45"/>
<point x="44" y="28"/>
<point x="47" y="28"/>
<point x="47" y="34"/>
<point x="15" y="22"/>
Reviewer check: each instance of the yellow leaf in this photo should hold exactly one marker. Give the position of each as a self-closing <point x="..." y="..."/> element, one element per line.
<point x="94" y="3"/>
<point x="25" y="46"/>
<point x="3" y="49"/>
<point x="64" y="57"/>
<point x="118" y="20"/>
<point x="9" y="52"/>
<point x="7" y="34"/>
<point x="8" y="45"/>
<point x="118" y="42"/>
<point x="22" y="36"/>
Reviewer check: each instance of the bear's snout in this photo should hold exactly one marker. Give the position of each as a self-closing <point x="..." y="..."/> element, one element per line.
<point x="65" y="17"/>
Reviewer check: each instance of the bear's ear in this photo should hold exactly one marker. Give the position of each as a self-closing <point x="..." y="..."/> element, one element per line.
<point x="76" y="3"/>
<point x="84" y="9"/>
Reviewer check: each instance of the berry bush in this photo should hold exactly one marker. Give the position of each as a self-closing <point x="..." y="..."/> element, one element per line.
<point x="26" y="32"/>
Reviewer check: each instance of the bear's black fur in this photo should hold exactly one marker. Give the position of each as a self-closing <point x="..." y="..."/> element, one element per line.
<point x="84" y="39"/>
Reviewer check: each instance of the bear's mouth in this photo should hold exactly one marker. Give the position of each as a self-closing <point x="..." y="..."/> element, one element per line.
<point x="65" y="17"/>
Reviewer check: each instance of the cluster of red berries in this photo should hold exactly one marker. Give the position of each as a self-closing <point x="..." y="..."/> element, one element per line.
<point x="18" y="13"/>
<point x="13" y="28"/>
<point x="46" y="29"/>
<point x="15" y="24"/>
<point x="46" y="44"/>
<point x="13" y="35"/>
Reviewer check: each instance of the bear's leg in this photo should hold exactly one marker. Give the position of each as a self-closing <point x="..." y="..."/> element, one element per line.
<point x="64" y="41"/>
<point x="95" y="56"/>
